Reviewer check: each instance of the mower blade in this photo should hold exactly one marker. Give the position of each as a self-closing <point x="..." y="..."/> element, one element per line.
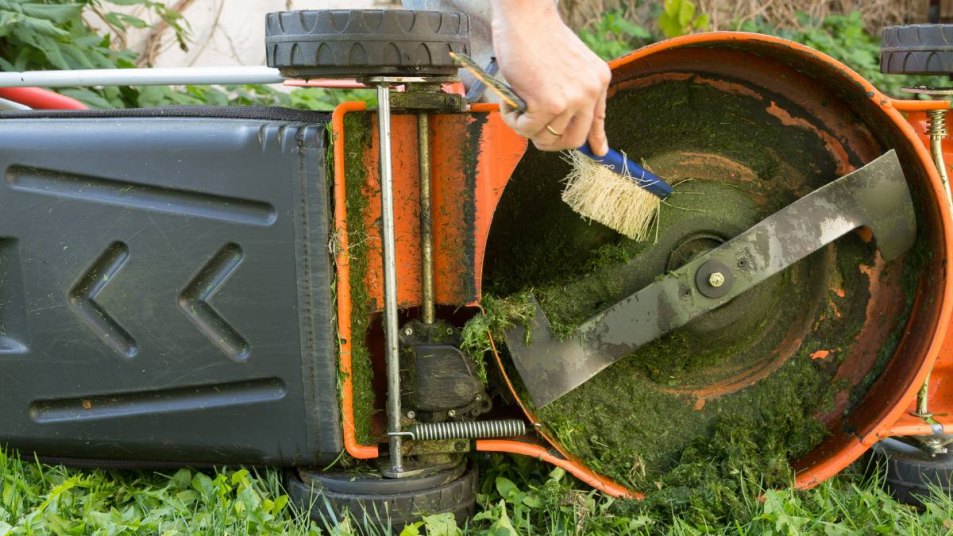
<point x="874" y="196"/>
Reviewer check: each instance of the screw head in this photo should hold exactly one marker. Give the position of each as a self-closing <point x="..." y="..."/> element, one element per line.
<point x="411" y="414"/>
<point x="716" y="279"/>
<point x="408" y="331"/>
<point x="451" y="413"/>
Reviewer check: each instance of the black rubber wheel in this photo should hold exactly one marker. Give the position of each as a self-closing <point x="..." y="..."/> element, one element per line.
<point x="365" y="42"/>
<point x="917" y="49"/>
<point x="383" y="503"/>
<point x="911" y="472"/>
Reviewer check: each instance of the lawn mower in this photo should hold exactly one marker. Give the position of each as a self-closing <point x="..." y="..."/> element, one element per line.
<point x="317" y="291"/>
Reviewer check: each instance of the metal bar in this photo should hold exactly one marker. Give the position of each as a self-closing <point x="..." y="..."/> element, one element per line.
<point x="426" y="220"/>
<point x="143" y="77"/>
<point x="937" y="131"/>
<point x="392" y="350"/>
<point x="6" y="104"/>
<point x="329" y="83"/>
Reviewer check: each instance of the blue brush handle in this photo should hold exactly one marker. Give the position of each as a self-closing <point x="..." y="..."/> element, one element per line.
<point x="617" y="162"/>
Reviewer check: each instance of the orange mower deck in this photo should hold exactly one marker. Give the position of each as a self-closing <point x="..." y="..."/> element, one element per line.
<point x="475" y="154"/>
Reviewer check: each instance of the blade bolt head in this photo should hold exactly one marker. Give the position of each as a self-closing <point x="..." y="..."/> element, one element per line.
<point x="716" y="279"/>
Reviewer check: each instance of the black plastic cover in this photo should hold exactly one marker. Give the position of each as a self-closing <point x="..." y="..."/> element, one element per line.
<point x="165" y="288"/>
<point x="443" y="378"/>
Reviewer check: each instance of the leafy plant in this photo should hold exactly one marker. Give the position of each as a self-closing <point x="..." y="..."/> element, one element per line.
<point x="678" y="17"/>
<point x="327" y="99"/>
<point x="614" y="35"/>
<point x="845" y="37"/>
<point x="55" y="34"/>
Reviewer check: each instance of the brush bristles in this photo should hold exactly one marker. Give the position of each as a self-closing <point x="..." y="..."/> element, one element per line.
<point x="598" y="193"/>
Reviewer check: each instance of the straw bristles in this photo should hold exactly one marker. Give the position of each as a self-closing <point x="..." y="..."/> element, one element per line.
<point x="616" y="201"/>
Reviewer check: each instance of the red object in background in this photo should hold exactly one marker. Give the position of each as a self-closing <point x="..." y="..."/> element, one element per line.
<point x="41" y="99"/>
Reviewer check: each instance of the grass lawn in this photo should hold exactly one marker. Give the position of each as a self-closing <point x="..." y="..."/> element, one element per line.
<point x="518" y="496"/>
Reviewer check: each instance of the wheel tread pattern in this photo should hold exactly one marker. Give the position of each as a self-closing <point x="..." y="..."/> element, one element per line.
<point x="365" y="42"/>
<point x="910" y="475"/>
<point x="917" y="49"/>
<point x="386" y="507"/>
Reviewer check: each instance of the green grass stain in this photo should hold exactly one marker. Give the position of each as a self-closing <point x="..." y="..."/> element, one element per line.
<point x="357" y="132"/>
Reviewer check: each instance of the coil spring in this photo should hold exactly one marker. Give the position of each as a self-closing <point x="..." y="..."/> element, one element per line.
<point x="467" y="430"/>
<point x="937" y="125"/>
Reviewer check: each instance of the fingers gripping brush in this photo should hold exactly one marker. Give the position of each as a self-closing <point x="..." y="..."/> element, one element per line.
<point x="610" y="189"/>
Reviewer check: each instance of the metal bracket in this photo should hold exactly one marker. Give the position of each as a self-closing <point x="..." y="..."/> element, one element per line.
<point x="427" y="99"/>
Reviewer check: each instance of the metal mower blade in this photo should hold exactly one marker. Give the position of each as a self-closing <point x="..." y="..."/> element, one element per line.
<point x="875" y="196"/>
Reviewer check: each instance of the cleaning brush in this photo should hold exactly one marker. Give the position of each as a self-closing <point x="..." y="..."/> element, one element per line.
<point x="610" y="189"/>
<point x="613" y="191"/>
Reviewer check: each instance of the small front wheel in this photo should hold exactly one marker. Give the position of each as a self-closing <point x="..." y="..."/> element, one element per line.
<point x="911" y="471"/>
<point x="373" y="501"/>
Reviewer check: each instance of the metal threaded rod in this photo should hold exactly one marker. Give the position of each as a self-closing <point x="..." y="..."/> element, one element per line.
<point x="467" y="430"/>
<point x="426" y="221"/>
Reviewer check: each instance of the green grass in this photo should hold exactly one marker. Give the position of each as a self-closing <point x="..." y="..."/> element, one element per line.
<point x="44" y="499"/>
<point x="517" y="496"/>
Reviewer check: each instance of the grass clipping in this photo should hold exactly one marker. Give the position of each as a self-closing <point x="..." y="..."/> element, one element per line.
<point x="616" y="201"/>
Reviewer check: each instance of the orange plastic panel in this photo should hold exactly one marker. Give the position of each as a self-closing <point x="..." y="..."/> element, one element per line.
<point x="472" y="158"/>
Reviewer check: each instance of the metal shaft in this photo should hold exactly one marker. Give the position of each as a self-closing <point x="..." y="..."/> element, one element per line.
<point x="937" y="131"/>
<point x="392" y="350"/>
<point x="426" y="220"/>
<point x="6" y="104"/>
<point x="143" y="77"/>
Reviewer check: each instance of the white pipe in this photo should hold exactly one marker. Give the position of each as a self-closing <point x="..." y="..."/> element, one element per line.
<point x="6" y="104"/>
<point x="143" y="77"/>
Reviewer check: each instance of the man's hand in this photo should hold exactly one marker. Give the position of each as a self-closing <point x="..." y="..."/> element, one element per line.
<point x="563" y="82"/>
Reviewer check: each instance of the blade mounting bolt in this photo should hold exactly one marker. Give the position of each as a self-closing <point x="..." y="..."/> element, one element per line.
<point x="716" y="279"/>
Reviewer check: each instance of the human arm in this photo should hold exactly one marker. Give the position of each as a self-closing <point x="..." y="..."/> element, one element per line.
<point x="563" y="83"/>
